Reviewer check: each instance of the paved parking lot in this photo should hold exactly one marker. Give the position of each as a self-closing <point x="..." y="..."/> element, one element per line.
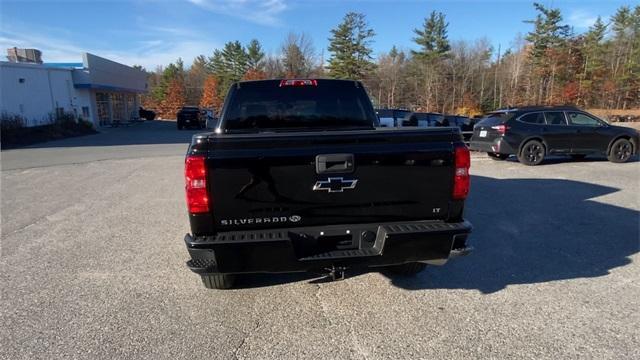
<point x="92" y="266"/>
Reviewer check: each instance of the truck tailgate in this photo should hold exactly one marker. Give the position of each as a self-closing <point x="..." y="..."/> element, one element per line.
<point x="333" y="177"/>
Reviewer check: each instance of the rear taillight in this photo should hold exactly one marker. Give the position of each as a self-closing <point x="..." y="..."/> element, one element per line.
<point x="502" y="129"/>
<point x="298" y="82"/>
<point x="461" y="179"/>
<point x="195" y="176"/>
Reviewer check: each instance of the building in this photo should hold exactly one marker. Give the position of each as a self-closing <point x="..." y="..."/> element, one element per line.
<point x="97" y="90"/>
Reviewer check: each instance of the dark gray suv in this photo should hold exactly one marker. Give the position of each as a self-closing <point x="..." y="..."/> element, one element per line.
<point x="531" y="133"/>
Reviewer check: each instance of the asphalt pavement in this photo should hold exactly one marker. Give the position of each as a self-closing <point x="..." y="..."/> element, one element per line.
<point x="92" y="267"/>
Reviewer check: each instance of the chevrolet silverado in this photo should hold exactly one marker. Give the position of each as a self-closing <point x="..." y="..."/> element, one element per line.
<point x="298" y="176"/>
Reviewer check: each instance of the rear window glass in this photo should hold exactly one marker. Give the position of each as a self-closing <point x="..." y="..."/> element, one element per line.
<point x="267" y="105"/>
<point x="495" y="118"/>
<point x="533" y="118"/>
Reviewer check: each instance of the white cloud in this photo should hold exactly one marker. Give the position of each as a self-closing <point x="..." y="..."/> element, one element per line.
<point x="157" y="46"/>
<point x="264" y="12"/>
<point x="581" y="19"/>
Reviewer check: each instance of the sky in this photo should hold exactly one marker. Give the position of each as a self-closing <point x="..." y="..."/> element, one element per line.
<point x="157" y="32"/>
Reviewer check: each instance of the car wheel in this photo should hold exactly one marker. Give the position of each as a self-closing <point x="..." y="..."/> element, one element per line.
<point x="578" y="156"/>
<point x="621" y="151"/>
<point x="496" y="156"/>
<point x="180" y="126"/>
<point x="218" y="281"/>
<point x="532" y="153"/>
<point x="408" y="269"/>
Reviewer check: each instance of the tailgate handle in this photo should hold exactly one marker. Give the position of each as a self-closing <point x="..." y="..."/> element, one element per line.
<point x="334" y="163"/>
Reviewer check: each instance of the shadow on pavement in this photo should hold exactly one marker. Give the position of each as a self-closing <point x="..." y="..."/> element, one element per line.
<point x="536" y="230"/>
<point x="148" y="132"/>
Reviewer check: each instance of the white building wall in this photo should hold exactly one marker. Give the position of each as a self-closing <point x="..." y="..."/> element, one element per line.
<point x="41" y="90"/>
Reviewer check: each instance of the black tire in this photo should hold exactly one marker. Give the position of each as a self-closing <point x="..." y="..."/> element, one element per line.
<point x="621" y="151"/>
<point x="497" y="157"/>
<point x="532" y="153"/>
<point x="408" y="269"/>
<point x="218" y="281"/>
<point x="578" y="157"/>
<point x="180" y="126"/>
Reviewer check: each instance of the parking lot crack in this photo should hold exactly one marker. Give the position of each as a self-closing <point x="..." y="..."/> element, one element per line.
<point x="323" y="306"/>
<point x="246" y="337"/>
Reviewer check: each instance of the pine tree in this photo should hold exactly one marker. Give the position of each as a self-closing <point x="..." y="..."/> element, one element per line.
<point x="432" y="38"/>
<point x="351" y="50"/>
<point x="548" y="33"/>
<point x="255" y="56"/>
<point x="228" y="65"/>
<point x="210" y="98"/>
<point x="171" y="72"/>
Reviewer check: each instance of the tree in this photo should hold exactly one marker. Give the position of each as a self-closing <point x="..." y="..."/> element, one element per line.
<point x="253" y="74"/>
<point x="548" y="39"/>
<point x="195" y="78"/>
<point x="228" y="65"/>
<point x="434" y="48"/>
<point x="350" y="47"/>
<point x="175" y="98"/>
<point x="432" y="38"/>
<point x="298" y="55"/>
<point x="210" y="98"/>
<point x="255" y="56"/>
<point x="170" y="73"/>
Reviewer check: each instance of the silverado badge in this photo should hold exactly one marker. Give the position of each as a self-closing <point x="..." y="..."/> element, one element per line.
<point x="335" y="184"/>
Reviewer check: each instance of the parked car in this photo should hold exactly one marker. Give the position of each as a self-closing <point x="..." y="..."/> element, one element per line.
<point x="190" y="116"/>
<point x="291" y="178"/>
<point x="532" y="133"/>
<point x="146" y="114"/>
<point x="463" y="122"/>
<point x="421" y="119"/>
<point x="391" y="117"/>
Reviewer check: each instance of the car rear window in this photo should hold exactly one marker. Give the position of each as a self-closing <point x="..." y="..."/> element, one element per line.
<point x="496" y="118"/>
<point x="265" y="105"/>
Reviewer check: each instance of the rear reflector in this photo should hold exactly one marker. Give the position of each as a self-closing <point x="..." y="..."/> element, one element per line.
<point x="502" y="129"/>
<point x="195" y="176"/>
<point x="298" y="82"/>
<point x="461" y="179"/>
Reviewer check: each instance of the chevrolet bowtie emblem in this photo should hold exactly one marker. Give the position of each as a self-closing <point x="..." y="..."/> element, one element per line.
<point x="334" y="184"/>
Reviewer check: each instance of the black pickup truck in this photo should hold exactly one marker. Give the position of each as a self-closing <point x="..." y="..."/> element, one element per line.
<point x="298" y="177"/>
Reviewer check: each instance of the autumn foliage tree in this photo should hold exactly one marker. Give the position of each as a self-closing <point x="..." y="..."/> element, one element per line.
<point x="210" y="98"/>
<point x="174" y="99"/>
<point x="254" y="74"/>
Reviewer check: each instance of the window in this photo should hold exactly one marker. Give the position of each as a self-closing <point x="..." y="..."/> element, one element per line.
<point x="533" y="118"/>
<point x="85" y="112"/>
<point x="580" y="119"/>
<point x="329" y="104"/>
<point x="555" y="118"/>
<point x="21" y="80"/>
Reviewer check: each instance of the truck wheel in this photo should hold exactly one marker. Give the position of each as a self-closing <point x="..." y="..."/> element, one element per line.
<point x="496" y="156"/>
<point x="408" y="269"/>
<point x="180" y="126"/>
<point x="532" y="153"/>
<point x="218" y="281"/>
<point x="621" y="151"/>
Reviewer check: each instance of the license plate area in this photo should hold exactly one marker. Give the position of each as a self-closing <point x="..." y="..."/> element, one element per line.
<point x="483" y="133"/>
